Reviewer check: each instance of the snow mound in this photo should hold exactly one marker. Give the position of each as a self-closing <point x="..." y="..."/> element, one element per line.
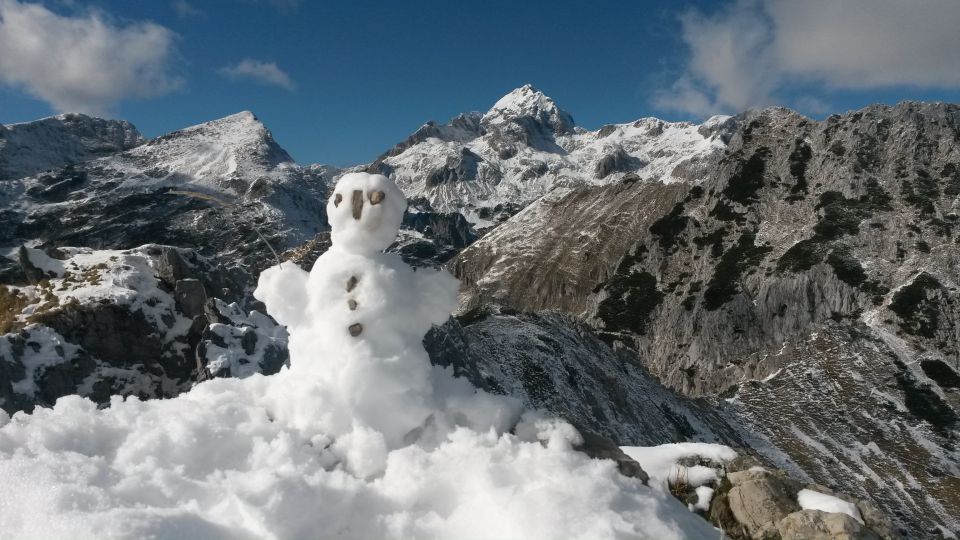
<point x="359" y="438"/>
<point x="809" y="499"/>
<point x="662" y="462"/>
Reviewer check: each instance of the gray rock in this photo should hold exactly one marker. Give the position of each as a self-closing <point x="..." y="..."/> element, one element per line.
<point x="877" y="521"/>
<point x="554" y="363"/>
<point x="616" y="161"/>
<point x="34" y="275"/>
<point x="759" y="504"/>
<point x="171" y="267"/>
<point x="190" y="296"/>
<point x="817" y="525"/>
<point x="599" y="447"/>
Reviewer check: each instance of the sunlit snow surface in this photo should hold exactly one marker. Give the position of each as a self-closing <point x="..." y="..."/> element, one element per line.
<point x="360" y="438"/>
<point x="809" y="499"/>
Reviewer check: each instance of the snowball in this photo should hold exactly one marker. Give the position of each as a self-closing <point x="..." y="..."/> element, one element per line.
<point x="359" y="438"/>
<point x="809" y="499"/>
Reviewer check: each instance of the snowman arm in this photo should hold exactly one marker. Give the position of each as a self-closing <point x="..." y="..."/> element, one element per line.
<point x="283" y="289"/>
<point x="436" y="294"/>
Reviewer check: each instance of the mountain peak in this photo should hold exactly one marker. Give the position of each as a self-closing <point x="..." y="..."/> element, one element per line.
<point x="215" y="151"/>
<point x="243" y="124"/>
<point x="529" y="102"/>
<point x="241" y="135"/>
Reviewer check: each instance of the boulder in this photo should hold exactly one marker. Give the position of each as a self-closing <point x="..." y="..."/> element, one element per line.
<point x="191" y="297"/>
<point x="170" y="266"/>
<point x="759" y="501"/>
<point x="600" y="447"/>
<point x="817" y="525"/>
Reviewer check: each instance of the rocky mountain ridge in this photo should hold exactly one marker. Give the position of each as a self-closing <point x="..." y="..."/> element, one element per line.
<point x="816" y="263"/>
<point x="792" y="282"/>
<point x="489" y="166"/>
<point x="67" y="139"/>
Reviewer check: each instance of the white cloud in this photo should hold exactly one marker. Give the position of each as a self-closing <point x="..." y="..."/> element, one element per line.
<point x="264" y="72"/>
<point x="84" y="63"/>
<point x="751" y="51"/>
<point x="186" y="10"/>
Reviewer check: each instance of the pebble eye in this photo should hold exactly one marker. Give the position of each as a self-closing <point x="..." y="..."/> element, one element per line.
<point x="377" y="197"/>
<point x="337" y="200"/>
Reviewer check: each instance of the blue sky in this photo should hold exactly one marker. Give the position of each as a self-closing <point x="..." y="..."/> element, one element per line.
<point x="339" y="83"/>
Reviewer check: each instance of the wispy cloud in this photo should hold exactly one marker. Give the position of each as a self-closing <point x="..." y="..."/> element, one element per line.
<point x="263" y="72"/>
<point x="83" y="63"/>
<point x="186" y="10"/>
<point x="752" y="52"/>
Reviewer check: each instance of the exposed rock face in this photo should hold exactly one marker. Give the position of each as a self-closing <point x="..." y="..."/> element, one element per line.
<point x="838" y="234"/>
<point x="554" y="253"/>
<point x="617" y="161"/>
<point x="554" y="363"/>
<point x="128" y="322"/>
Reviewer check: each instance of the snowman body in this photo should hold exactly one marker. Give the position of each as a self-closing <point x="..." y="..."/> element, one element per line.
<point x="359" y="324"/>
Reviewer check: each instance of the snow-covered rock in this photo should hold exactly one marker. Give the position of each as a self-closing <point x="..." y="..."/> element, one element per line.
<point x="130" y="322"/>
<point x="526" y="145"/>
<point x="66" y="139"/>
<point x="223" y="188"/>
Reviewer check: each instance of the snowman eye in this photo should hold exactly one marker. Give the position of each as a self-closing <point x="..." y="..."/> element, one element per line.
<point x="337" y="199"/>
<point x="376" y="197"/>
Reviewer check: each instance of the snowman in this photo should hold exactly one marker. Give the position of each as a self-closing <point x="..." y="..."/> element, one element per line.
<point x="357" y="319"/>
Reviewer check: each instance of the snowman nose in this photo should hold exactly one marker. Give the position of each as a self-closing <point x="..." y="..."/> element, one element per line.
<point x="357" y="203"/>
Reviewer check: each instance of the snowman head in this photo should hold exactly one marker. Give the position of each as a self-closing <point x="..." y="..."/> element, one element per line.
<point x="365" y="211"/>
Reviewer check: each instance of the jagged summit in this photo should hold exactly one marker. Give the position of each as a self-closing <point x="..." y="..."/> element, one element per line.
<point x="488" y="166"/>
<point x="528" y="102"/>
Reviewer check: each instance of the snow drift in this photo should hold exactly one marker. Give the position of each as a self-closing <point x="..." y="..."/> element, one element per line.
<point x="359" y="438"/>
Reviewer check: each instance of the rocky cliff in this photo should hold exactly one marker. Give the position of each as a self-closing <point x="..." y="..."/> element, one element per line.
<point x="811" y="271"/>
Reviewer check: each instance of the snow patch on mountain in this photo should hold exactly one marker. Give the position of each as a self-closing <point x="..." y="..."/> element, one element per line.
<point x="226" y="155"/>
<point x="31" y="147"/>
<point x="525" y="145"/>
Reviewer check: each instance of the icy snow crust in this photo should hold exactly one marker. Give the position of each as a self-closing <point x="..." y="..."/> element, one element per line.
<point x="359" y="438"/>
<point x="809" y="499"/>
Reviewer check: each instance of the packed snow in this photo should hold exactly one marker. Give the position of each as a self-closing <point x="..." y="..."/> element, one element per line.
<point x="704" y="496"/>
<point x="359" y="438"/>
<point x="809" y="499"/>
<point x="662" y="462"/>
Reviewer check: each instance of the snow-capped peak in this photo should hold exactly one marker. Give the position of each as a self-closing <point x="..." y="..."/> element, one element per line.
<point x="527" y="101"/>
<point x="214" y="151"/>
<point x="237" y="131"/>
